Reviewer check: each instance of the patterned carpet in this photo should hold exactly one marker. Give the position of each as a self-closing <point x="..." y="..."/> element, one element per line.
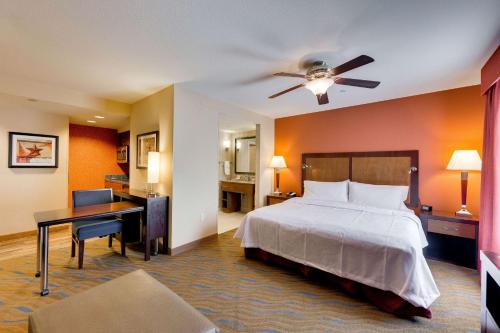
<point x="237" y="294"/>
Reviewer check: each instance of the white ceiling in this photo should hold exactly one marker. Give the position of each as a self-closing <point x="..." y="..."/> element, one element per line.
<point x="77" y="115"/>
<point x="124" y="50"/>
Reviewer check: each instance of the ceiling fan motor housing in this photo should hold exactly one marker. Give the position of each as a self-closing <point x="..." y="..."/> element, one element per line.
<point x="318" y="70"/>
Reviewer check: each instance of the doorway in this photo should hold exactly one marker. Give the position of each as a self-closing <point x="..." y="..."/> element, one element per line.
<point x="237" y="160"/>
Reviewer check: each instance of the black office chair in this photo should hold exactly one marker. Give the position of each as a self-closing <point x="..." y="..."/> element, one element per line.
<point x="98" y="227"/>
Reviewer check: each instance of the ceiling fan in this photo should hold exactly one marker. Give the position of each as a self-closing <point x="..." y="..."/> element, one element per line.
<point x="320" y="76"/>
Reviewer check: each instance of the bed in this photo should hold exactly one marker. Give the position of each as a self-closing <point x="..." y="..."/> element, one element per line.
<point x="369" y="250"/>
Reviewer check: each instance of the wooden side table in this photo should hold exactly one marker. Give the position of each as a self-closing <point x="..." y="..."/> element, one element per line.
<point x="451" y="238"/>
<point x="273" y="199"/>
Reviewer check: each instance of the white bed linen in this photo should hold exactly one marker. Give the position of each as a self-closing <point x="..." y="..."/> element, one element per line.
<point x="378" y="247"/>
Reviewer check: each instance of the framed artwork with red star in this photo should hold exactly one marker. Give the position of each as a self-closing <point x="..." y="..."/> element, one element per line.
<point x="28" y="150"/>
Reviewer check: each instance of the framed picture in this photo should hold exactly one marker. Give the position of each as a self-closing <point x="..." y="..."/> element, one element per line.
<point x="145" y="143"/>
<point x="122" y="154"/>
<point x="27" y="150"/>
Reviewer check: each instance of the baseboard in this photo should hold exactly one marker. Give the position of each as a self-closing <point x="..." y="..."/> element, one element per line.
<point x="30" y="233"/>
<point x="191" y="245"/>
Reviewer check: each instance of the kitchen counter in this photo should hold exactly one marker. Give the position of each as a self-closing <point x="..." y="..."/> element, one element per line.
<point x="118" y="183"/>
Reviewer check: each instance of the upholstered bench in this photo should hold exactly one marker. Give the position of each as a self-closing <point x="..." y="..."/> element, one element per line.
<point x="135" y="302"/>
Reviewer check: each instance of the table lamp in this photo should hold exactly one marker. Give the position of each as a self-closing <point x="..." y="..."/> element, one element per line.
<point x="153" y="172"/>
<point x="465" y="161"/>
<point x="278" y="162"/>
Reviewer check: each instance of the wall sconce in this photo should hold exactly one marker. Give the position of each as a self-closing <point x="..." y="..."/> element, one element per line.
<point x="238" y="145"/>
<point x="226" y="144"/>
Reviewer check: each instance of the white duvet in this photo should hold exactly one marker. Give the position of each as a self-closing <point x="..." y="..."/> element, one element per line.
<point x="381" y="248"/>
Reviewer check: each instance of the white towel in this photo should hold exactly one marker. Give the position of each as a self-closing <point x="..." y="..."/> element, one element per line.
<point x="227" y="168"/>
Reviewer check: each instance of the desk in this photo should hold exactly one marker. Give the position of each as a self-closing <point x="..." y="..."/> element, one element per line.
<point x="154" y="219"/>
<point x="50" y="218"/>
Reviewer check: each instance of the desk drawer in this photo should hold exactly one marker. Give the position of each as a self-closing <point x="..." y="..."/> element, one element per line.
<point x="452" y="228"/>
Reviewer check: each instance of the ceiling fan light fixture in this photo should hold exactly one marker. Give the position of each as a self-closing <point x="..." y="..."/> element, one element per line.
<point x="319" y="86"/>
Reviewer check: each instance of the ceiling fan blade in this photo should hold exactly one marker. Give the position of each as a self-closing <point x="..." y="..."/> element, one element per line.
<point x="323" y="99"/>
<point x="290" y="75"/>
<point x="286" y="90"/>
<point x="357" y="83"/>
<point x="352" y="64"/>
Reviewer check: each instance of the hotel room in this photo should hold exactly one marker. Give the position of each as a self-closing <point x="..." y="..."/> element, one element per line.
<point x="235" y="166"/>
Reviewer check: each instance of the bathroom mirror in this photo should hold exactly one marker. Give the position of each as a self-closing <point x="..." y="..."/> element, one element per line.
<point x="244" y="155"/>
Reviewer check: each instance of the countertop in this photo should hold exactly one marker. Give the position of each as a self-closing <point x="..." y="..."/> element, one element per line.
<point x="238" y="181"/>
<point x="119" y="179"/>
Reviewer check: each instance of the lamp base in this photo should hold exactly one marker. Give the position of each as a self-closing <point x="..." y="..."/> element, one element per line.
<point x="151" y="191"/>
<point x="463" y="212"/>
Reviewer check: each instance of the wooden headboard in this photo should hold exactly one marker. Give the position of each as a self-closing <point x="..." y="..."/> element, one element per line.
<point x="381" y="168"/>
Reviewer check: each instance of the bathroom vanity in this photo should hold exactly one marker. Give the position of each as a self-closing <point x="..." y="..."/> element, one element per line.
<point x="237" y="185"/>
<point x="237" y="195"/>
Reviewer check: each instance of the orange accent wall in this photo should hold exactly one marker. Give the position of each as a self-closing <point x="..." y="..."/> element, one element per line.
<point x="436" y="124"/>
<point x="92" y="155"/>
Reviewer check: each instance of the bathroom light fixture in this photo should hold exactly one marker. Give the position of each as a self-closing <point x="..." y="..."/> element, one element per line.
<point x="226" y="144"/>
<point x="91" y="121"/>
<point x="99" y="117"/>
<point x="319" y="86"/>
<point x="238" y="145"/>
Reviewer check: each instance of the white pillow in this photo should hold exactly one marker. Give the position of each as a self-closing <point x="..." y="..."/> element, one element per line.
<point x="381" y="196"/>
<point x="333" y="191"/>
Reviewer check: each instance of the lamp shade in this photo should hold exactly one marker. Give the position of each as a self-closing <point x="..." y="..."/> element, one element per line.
<point x="319" y="86"/>
<point x="153" y="167"/>
<point x="465" y="160"/>
<point x="278" y="162"/>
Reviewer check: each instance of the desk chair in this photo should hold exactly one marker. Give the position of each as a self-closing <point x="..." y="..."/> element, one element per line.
<point x="98" y="227"/>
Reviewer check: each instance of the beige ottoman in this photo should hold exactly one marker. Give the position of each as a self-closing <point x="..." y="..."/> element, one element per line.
<point x="135" y="302"/>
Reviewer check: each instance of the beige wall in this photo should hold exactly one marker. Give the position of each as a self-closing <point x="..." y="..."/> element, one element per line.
<point x="24" y="191"/>
<point x="195" y="163"/>
<point x="189" y="156"/>
<point x="153" y="113"/>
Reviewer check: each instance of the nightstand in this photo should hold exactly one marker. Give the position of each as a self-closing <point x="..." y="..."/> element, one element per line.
<point x="451" y="238"/>
<point x="273" y="199"/>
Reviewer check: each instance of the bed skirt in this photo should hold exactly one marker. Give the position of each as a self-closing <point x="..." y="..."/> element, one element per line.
<point x="384" y="300"/>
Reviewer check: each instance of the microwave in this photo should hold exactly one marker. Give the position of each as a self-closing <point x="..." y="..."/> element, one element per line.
<point x="122" y="154"/>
